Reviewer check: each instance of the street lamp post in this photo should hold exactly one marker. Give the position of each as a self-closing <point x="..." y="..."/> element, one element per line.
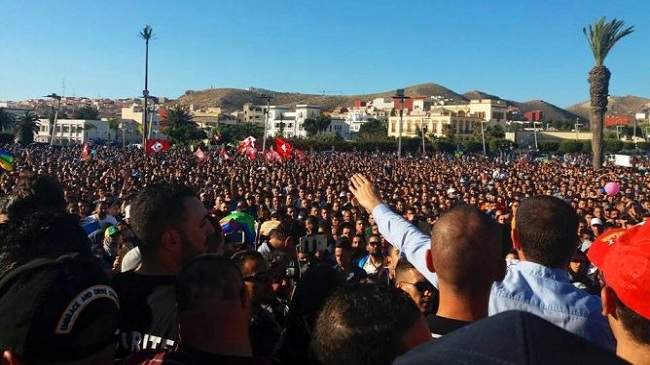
<point x="56" y="114"/>
<point x="483" y="138"/>
<point x="400" y="95"/>
<point x="423" y="130"/>
<point x="577" y="128"/>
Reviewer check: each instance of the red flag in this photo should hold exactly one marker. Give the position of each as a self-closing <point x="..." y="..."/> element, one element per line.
<point x="299" y="154"/>
<point x="250" y="153"/>
<point x="85" y="153"/>
<point x="223" y="155"/>
<point x="272" y="156"/>
<point x="157" y="145"/>
<point x="283" y="148"/>
<point x="200" y="155"/>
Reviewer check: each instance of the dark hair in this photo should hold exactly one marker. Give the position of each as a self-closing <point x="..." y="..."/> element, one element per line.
<point x="634" y="323"/>
<point x="206" y="277"/>
<point x="154" y="210"/>
<point x="344" y="243"/>
<point x="354" y="328"/>
<point x="402" y="266"/>
<point x="280" y="232"/>
<point x="315" y="286"/>
<point x="547" y="228"/>
<point x="42" y="193"/>
<point x="240" y="258"/>
<point x="40" y="235"/>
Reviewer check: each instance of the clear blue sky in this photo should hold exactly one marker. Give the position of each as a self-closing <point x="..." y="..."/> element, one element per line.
<point x="516" y="49"/>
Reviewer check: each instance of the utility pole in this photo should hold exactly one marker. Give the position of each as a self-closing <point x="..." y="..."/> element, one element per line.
<point x="483" y="138"/>
<point x="56" y="115"/>
<point x="423" y="130"/>
<point x="266" y="117"/>
<point x="400" y="95"/>
<point x="535" y="133"/>
<point x="634" y="134"/>
<point x="577" y="129"/>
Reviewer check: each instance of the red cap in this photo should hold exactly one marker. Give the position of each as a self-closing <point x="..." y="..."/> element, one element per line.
<point x="623" y="256"/>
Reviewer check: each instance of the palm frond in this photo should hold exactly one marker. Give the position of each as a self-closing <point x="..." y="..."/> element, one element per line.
<point x="603" y="35"/>
<point x="146" y="33"/>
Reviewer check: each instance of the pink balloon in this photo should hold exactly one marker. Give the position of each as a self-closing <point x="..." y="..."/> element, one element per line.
<point x="612" y="188"/>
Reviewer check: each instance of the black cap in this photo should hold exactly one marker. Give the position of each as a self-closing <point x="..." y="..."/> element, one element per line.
<point x="511" y="337"/>
<point x="57" y="309"/>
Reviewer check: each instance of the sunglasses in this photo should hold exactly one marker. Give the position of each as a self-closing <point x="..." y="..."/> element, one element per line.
<point x="260" y="277"/>
<point x="373" y="243"/>
<point x="421" y="286"/>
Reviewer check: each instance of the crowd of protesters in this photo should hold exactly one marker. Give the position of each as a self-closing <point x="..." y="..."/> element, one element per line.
<point x="356" y="258"/>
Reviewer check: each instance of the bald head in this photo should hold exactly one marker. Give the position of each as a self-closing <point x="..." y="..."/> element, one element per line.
<point x="465" y="250"/>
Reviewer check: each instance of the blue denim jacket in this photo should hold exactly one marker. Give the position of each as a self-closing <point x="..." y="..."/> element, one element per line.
<point x="527" y="286"/>
<point x="549" y="293"/>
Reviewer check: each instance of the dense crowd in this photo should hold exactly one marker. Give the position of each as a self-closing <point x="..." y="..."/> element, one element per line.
<point x="355" y="258"/>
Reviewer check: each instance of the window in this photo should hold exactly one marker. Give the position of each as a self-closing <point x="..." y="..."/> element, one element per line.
<point x="392" y="127"/>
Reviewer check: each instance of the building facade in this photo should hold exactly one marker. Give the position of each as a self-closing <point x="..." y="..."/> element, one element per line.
<point x="289" y="124"/>
<point x="439" y="122"/>
<point x="135" y="113"/>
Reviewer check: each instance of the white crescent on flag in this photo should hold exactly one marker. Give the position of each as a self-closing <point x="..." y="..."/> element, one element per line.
<point x="157" y="147"/>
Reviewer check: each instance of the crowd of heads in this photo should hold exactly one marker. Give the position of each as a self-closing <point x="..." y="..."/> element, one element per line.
<point x="349" y="297"/>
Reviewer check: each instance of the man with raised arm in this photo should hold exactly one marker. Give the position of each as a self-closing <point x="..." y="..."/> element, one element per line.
<point x="462" y="256"/>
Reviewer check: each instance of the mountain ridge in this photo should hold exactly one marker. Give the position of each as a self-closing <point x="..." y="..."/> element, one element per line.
<point x="232" y="99"/>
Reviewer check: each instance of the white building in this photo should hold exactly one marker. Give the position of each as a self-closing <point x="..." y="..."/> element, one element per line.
<point x="290" y="123"/>
<point x="340" y="127"/>
<point x="72" y="131"/>
<point x="385" y="104"/>
<point x="355" y="120"/>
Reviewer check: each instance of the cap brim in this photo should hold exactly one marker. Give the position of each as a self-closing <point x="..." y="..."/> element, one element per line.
<point x="603" y="245"/>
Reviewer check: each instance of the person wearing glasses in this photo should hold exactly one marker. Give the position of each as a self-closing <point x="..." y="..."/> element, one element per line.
<point x="410" y="281"/>
<point x="373" y="262"/>
<point x="264" y="329"/>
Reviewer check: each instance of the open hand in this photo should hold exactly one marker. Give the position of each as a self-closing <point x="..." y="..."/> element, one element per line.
<point x="365" y="192"/>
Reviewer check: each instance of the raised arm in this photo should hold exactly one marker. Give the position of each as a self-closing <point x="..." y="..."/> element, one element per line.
<point x="397" y="230"/>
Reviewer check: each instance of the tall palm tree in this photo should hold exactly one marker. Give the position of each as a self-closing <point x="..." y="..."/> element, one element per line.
<point x="146" y="34"/>
<point x="602" y="36"/>
<point x="7" y="120"/>
<point x="27" y="126"/>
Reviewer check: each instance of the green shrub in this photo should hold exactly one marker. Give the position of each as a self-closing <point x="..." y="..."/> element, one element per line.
<point x="570" y="146"/>
<point x="586" y="146"/>
<point x="613" y="146"/>
<point x="548" y="146"/>
<point x="472" y="146"/>
<point x="643" y="145"/>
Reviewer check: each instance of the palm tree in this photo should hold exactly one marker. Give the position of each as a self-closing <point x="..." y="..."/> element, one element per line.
<point x="7" y="120"/>
<point x="602" y="36"/>
<point x="27" y="126"/>
<point x="180" y="116"/>
<point x="146" y="34"/>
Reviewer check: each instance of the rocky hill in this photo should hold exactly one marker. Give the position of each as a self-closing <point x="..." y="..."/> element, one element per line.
<point x="230" y="99"/>
<point x="618" y="105"/>
<point x="233" y="99"/>
<point x="550" y="111"/>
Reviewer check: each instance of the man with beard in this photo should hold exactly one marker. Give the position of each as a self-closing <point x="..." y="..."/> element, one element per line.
<point x="374" y="260"/>
<point x="172" y="226"/>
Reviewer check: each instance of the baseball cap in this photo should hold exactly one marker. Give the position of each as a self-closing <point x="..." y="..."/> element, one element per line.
<point x="596" y="222"/>
<point x="623" y="256"/>
<point x="57" y="309"/>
